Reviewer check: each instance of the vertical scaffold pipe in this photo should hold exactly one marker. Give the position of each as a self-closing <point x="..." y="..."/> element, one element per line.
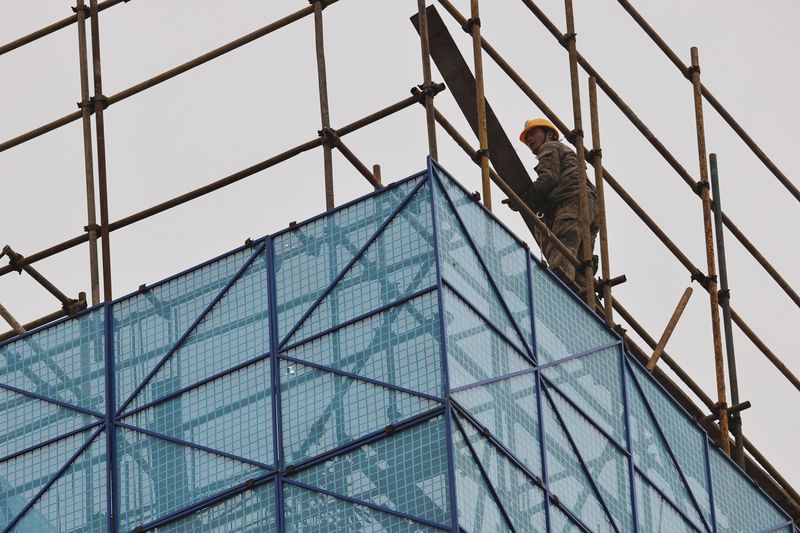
<point x="585" y="253"/>
<point x="597" y="161"/>
<point x="427" y="83"/>
<point x="100" y="102"/>
<point x="474" y="26"/>
<point x="710" y="259"/>
<point x="322" y="78"/>
<point x="86" y="112"/>
<point x="725" y="302"/>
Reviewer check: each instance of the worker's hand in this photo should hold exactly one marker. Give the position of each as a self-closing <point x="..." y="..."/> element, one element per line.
<point x="511" y="204"/>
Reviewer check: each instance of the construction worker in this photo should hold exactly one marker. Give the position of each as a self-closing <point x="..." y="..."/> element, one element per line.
<point x="554" y="196"/>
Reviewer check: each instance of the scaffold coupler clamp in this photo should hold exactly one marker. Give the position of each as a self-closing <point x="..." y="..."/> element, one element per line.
<point x="470" y="24"/>
<point x="594" y="153"/>
<point x="329" y="137"/>
<point x="477" y="157"/>
<point x="13" y="258"/>
<point x="427" y="89"/>
<point x="566" y="38"/>
<point x="573" y="135"/>
<point x="699" y="186"/>
<point x="690" y="70"/>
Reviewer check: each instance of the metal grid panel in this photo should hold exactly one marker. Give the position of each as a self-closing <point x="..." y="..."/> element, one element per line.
<point x="322" y="410"/>
<point x="77" y="501"/>
<point x="235" y="330"/>
<point x="685" y="438"/>
<point x="22" y="477"/>
<point x="738" y="505"/>
<point x="567" y="479"/>
<point x="308" y="511"/>
<point x="405" y="472"/>
<point x="477" y="508"/>
<point x="308" y="258"/>
<point x="475" y="351"/>
<point x="560" y="522"/>
<point x="606" y="464"/>
<point x="27" y="422"/>
<point x="523" y="501"/>
<point x="502" y="252"/>
<point x="652" y="457"/>
<point x="508" y="410"/>
<point x="250" y="511"/>
<point x="399" y="346"/>
<point x="657" y="514"/>
<point x="146" y="325"/>
<point x="563" y="325"/>
<point x="594" y="383"/>
<point x="63" y="362"/>
<point x="232" y="414"/>
<point x="462" y="269"/>
<point x="158" y="477"/>
<point x="396" y="264"/>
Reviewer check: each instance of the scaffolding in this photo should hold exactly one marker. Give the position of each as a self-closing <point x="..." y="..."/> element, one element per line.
<point x="496" y="166"/>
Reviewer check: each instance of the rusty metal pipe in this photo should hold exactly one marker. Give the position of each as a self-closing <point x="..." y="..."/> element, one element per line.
<point x="376" y="171"/>
<point x="662" y="150"/>
<point x="324" y="110"/>
<point x="725" y="302"/>
<point x="719" y="361"/>
<point x="100" y="140"/>
<point x="711" y="99"/>
<point x="164" y="76"/>
<point x="673" y="321"/>
<point x="425" y="49"/>
<point x="356" y="162"/>
<point x="88" y="160"/>
<point x="585" y="253"/>
<point x="237" y="176"/>
<point x="80" y="305"/>
<point x="54" y="27"/>
<point x="474" y="27"/>
<point x="17" y="262"/>
<point x="597" y="163"/>
<point x="17" y="328"/>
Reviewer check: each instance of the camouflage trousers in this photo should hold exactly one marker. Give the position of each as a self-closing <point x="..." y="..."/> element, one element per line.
<point x="564" y="222"/>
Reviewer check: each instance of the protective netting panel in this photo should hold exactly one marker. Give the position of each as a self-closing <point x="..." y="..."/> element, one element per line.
<point x="462" y="268"/>
<point x="685" y="438"/>
<point x="27" y="422"/>
<point x="308" y="511"/>
<point x="147" y="324"/>
<point x="475" y="351"/>
<point x="508" y="410"/>
<point x="158" y="477"/>
<point x="398" y="263"/>
<point x="65" y="362"/>
<point x="234" y="331"/>
<point x="560" y="522"/>
<point x="740" y="506"/>
<point x="657" y="514"/>
<point x="231" y="414"/>
<point x="308" y="258"/>
<point x="77" y="501"/>
<point x="594" y="383"/>
<point x="504" y="255"/>
<point x="249" y="511"/>
<point x="522" y="500"/>
<point x="399" y="346"/>
<point x="24" y="476"/>
<point x="322" y="410"/>
<point x="477" y="507"/>
<point x="404" y="472"/>
<point x="564" y="326"/>
<point x="567" y="478"/>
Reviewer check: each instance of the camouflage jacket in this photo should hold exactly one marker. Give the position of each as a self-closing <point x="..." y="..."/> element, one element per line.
<point x="557" y="179"/>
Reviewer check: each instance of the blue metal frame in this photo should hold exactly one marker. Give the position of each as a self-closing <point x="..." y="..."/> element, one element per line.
<point x="448" y="408"/>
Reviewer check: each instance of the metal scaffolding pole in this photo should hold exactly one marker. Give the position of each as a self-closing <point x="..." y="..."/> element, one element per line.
<point x="474" y="28"/>
<point x="719" y="364"/>
<point x="585" y="252"/>
<point x="91" y="226"/>
<point x="597" y="162"/>
<point x="425" y="48"/>
<point x="322" y="79"/>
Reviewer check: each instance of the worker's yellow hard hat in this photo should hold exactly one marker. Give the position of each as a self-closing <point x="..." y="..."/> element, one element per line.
<point x="537" y="123"/>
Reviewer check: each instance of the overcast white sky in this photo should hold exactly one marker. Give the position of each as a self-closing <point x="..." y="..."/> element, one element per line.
<point x="262" y="99"/>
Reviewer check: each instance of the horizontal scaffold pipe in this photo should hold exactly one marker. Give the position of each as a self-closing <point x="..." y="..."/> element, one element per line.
<point x="662" y="150"/>
<point x="211" y="187"/>
<point x="695" y="272"/>
<point x="52" y="28"/>
<point x="164" y="76"/>
<point x="759" y="153"/>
